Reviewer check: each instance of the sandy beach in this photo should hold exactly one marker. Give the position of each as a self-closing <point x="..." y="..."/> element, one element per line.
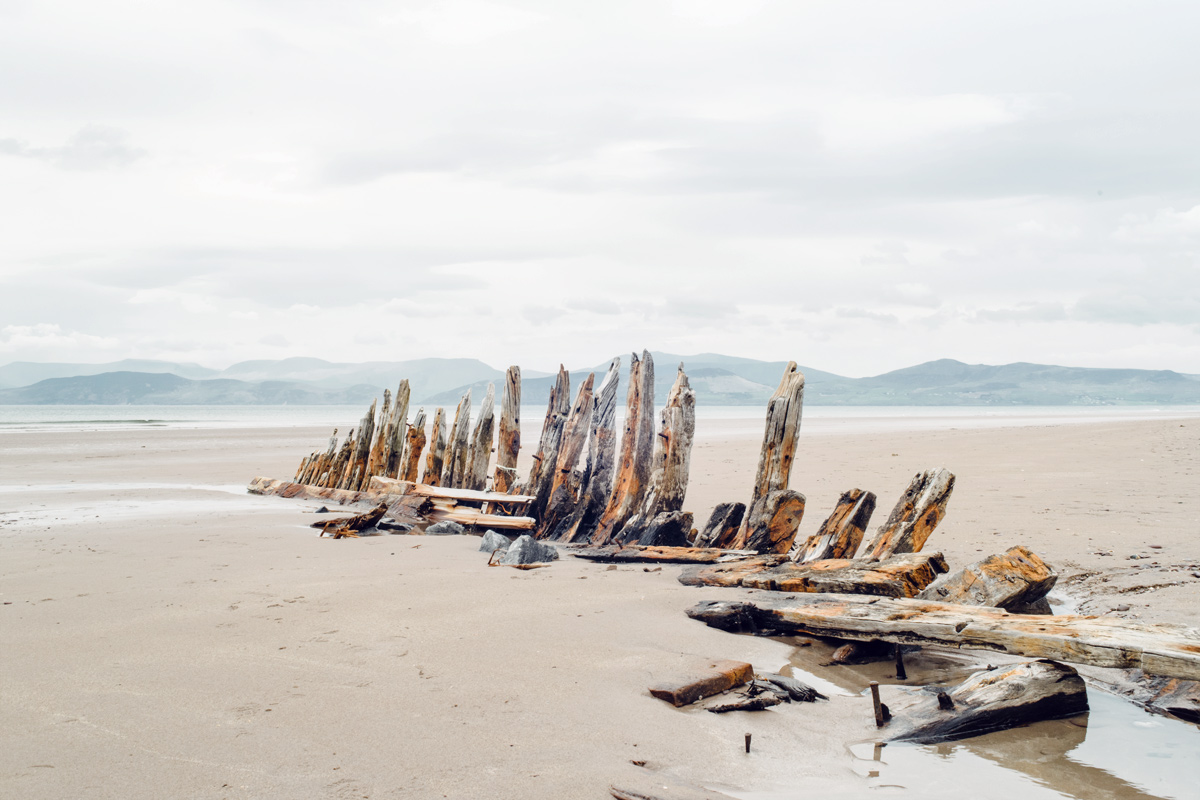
<point x="167" y="635"/>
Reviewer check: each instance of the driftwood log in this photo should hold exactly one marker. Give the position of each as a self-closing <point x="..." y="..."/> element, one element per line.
<point x="990" y="700"/>
<point x="669" y="473"/>
<point x="721" y="530"/>
<point x="1168" y="650"/>
<point x="916" y="514"/>
<point x="637" y="451"/>
<point x="779" y="447"/>
<point x="564" y="482"/>
<point x="842" y="531"/>
<point x="636" y="554"/>
<point x="541" y="474"/>
<point x="1015" y="578"/>
<point x="901" y="576"/>
<point x="479" y="454"/>
<point x="414" y="447"/>
<point x="508" y="444"/>
<point x="601" y="453"/>
<point x="351" y="526"/>
<point x="455" y="468"/>
<point x="435" y="461"/>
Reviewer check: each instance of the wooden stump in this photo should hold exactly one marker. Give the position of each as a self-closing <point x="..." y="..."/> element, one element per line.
<point x="338" y="465"/>
<point x="434" y="462"/>
<point x="413" y="448"/>
<point x="393" y="455"/>
<point x="667" y="529"/>
<point x="541" y="475"/>
<point x="842" y="532"/>
<point x="565" y="484"/>
<point x="779" y="447"/>
<point x="1015" y="578"/>
<point x="596" y="482"/>
<point x="455" y="468"/>
<point x="508" y="446"/>
<point x="359" y="452"/>
<point x="480" y="452"/>
<point x="721" y="530"/>
<point x="672" y="460"/>
<point x="637" y="451"/>
<point x="377" y="460"/>
<point x="915" y="516"/>
<point x="990" y="700"/>
<point x="778" y="520"/>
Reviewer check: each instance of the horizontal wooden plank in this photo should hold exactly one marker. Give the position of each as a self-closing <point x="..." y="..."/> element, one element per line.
<point x="393" y="486"/>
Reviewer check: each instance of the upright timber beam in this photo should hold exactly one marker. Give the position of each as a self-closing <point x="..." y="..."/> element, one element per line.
<point x="383" y="434"/>
<point x="541" y="475"/>
<point x="508" y="445"/>
<point x="434" y="462"/>
<point x="394" y="452"/>
<point x="637" y="450"/>
<point x="480" y="451"/>
<point x="597" y="475"/>
<point x="565" y="484"/>
<point x="842" y="531"/>
<point x="413" y="448"/>
<point x="456" y="449"/>
<point x="916" y="514"/>
<point x="779" y="448"/>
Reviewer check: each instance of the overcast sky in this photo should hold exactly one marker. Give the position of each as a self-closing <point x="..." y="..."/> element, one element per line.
<point x="858" y="186"/>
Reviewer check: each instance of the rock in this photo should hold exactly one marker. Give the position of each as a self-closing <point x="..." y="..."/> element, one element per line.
<point x="322" y="510"/>
<point x="445" y="529"/>
<point x="389" y="524"/>
<point x="493" y="541"/>
<point x="527" y="550"/>
<point x="714" y="678"/>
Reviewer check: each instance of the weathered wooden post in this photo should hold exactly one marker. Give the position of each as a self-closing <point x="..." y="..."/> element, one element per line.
<point x="413" y="448"/>
<point x="541" y="475"/>
<point x="915" y="516"/>
<point x="842" y="531"/>
<point x="394" y="451"/>
<point x="508" y="445"/>
<point x="671" y="463"/>
<point x="564" y="483"/>
<point x="338" y="465"/>
<point x="722" y="527"/>
<point x="376" y="463"/>
<point x="480" y="451"/>
<point x="455" y="468"/>
<point x="434" y="462"/>
<point x="637" y="451"/>
<point x="597" y="475"/>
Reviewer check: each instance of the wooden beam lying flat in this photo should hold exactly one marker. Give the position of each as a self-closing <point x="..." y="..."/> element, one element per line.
<point x="900" y="576"/>
<point x="632" y="553"/>
<point x="1169" y="650"/>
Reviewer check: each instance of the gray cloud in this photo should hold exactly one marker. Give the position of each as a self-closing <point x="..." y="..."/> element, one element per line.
<point x="92" y="147"/>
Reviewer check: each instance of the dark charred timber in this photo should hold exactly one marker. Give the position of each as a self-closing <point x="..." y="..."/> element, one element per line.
<point x="508" y="444"/>
<point x="779" y="446"/>
<point x="480" y="451"/>
<point x="774" y="528"/>
<point x="1013" y="579"/>
<point x="1167" y="650"/>
<point x="721" y="530"/>
<point x="351" y="526"/>
<point x="393" y="454"/>
<point x="902" y="576"/>
<point x="414" y="446"/>
<point x="541" y="474"/>
<point x="564" y="482"/>
<point x="637" y="451"/>
<point x="916" y="514"/>
<point x="435" y="461"/>
<point x="990" y="700"/>
<point x="671" y="464"/>
<point x="455" y="467"/>
<point x="842" y="531"/>
<point x="596" y="482"/>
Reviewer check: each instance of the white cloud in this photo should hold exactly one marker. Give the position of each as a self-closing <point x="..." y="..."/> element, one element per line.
<point x="47" y="337"/>
<point x="1165" y="226"/>
<point x="887" y="122"/>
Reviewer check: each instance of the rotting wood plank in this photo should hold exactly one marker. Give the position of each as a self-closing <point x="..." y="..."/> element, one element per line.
<point x="414" y="446"/>
<point x="455" y="467"/>
<point x="775" y="526"/>
<point x="480" y="450"/>
<point x="393" y="486"/>
<point x="1156" y="649"/>
<point x="1014" y="578"/>
<point x="377" y="460"/>
<point x="780" y="435"/>
<point x="636" y="554"/>
<point x="901" y="576"/>
<point x="598" y="472"/>
<point x="473" y="517"/>
<point x="671" y="461"/>
<point x="436" y="458"/>
<point x="393" y="455"/>
<point x="564" y="482"/>
<point x="722" y="527"/>
<point x="916" y="514"/>
<point x="338" y="465"/>
<point x="637" y="451"/>
<point x="541" y="474"/>
<point x="842" y="531"/>
<point x="508" y="440"/>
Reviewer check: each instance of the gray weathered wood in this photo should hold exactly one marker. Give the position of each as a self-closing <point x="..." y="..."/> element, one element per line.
<point x="413" y="448"/>
<point x="541" y="474"/>
<point x="377" y="461"/>
<point x="917" y="513"/>
<point x="565" y="482"/>
<point x="842" y="531"/>
<point x="508" y="440"/>
<point x="1170" y="650"/>
<point x="393" y="455"/>
<point x="721" y="530"/>
<point x="1015" y="578"/>
<point x="780" y="435"/>
<point x="435" y="461"/>
<point x="457" y="446"/>
<point x="361" y="451"/>
<point x="637" y="451"/>
<point x="900" y="576"/>
<point x="775" y="526"/>
<point x="601" y="455"/>
<point x="480" y="451"/>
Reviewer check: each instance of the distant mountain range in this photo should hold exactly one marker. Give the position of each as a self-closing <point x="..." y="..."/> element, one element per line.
<point x="717" y="379"/>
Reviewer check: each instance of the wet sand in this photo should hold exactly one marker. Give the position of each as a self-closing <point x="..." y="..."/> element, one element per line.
<point x="166" y="635"/>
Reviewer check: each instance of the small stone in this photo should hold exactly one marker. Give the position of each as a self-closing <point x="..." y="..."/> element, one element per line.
<point x="446" y="528"/>
<point x="1155" y="546"/>
<point x="1122" y="607"/>
<point x="493" y="541"/>
<point x="322" y="510"/>
<point x="527" y="550"/>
